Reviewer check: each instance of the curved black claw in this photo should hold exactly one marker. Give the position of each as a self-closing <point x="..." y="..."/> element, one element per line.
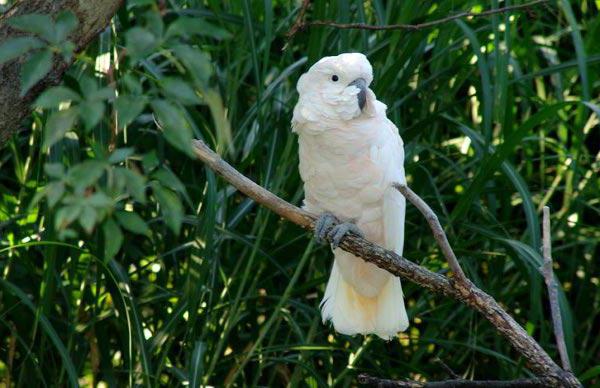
<point x="337" y="233"/>
<point x="324" y="222"/>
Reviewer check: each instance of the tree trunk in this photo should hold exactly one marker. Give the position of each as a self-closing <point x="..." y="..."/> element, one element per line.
<point x="93" y="16"/>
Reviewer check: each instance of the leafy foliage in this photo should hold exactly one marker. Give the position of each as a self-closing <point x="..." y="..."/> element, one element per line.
<point x="125" y="261"/>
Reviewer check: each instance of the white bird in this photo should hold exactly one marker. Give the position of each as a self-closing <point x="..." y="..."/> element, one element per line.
<point x="350" y="153"/>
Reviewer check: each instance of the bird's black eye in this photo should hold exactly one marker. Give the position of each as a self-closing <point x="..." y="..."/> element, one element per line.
<point x="334" y="78"/>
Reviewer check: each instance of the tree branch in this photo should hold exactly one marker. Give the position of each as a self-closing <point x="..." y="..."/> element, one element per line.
<point x="436" y="229"/>
<point x="553" y="290"/>
<point x="300" y="24"/>
<point x="535" y="382"/>
<point x="93" y="16"/>
<point x="466" y="292"/>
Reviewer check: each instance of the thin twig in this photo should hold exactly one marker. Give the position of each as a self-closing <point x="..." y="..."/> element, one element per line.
<point x="301" y="24"/>
<point x="553" y="290"/>
<point x="467" y="293"/>
<point x="436" y="229"/>
<point x="535" y="382"/>
<point x="445" y="366"/>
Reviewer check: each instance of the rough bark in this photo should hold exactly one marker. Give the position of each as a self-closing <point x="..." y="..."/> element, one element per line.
<point x="466" y="292"/>
<point x="93" y="16"/>
<point x="536" y="382"/>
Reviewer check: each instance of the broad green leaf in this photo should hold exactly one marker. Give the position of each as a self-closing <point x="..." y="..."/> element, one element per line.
<point x="87" y="219"/>
<point x="132" y="222"/>
<point x="66" y="21"/>
<point x="99" y="200"/>
<point x="102" y="94"/>
<point x="197" y="62"/>
<point x="153" y="21"/>
<point x="129" y="107"/>
<point x="120" y="155"/>
<point x="66" y="49"/>
<point x="36" y="23"/>
<point x="36" y="67"/>
<point x="113" y="238"/>
<point x="150" y="161"/>
<point x="66" y="215"/>
<point x="171" y="207"/>
<point x="179" y="90"/>
<point x="186" y="27"/>
<point x="170" y="180"/>
<point x="58" y="125"/>
<point x="135" y="183"/>
<point x="54" y="170"/>
<point x="51" y="98"/>
<point x="91" y="112"/>
<point x="139" y="42"/>
<point x="54" y="192"/>
<point x="140" y="3"/>
<point x="85" y="173"/>
<point x="176" y="129"/>
<point x="15" y="47"/>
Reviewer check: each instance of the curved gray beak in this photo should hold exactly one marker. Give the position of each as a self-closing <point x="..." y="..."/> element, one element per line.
<point x="361" y="84"/>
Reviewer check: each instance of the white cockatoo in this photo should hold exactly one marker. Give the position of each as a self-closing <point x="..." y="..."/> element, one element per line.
<point x="350" y="154"/>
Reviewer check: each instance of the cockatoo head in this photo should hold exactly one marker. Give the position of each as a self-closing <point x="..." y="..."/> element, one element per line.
<point x="337" y="88"/>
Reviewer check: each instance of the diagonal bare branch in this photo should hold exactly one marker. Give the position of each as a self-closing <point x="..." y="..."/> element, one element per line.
<point x="536" y="382"/>
<point x="436" y="229"/>
<point x="467" y="293"/>
<point x="553" y="290"/>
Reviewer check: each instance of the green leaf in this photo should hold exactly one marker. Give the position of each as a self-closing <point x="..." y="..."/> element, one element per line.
<point x="87" y="219"/>
<point x="176" y="129"/>
<point x="107" y="93"/>
<point x="58" y="125"/>
<point x="66" y="21"/>
<point x="54" y="170"/>
<point x="179" y="90"/>
<point x="66" y="215"/>
<point x="197" y="364"/>
<point x="99" y="200"/>
<point x="172" y="209"/>
<point x="197" y="62"/>
<point x="91" y="112"/>
<point x="132" y="222"/>
<point x="113" y="238"/>
<point x="590" y="373"/>
<point x="66" y="49"/>
<point x="170" y="180"/>
<point x="86" y="173"/>
<point x="186" y="27"/>
<point x="129" y="108"/>
<point x="51" y="98"/>
<point x="14" y="48"/>
<point x="36" y="67"/>
<point x="36" y="23"/>
<point x="54" y="192"/>
<point x="219" y="115"/>
<point x="140" y="3"/>
<point x="139" y="42"/>
<point x="136" y="184"/>
<point x="120" y="155"/>
<point x="150" y="161"/>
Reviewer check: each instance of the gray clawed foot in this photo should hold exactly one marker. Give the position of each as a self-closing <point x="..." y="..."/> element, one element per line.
<point x="338" y="232"/>
<point x="324" y="222"/>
